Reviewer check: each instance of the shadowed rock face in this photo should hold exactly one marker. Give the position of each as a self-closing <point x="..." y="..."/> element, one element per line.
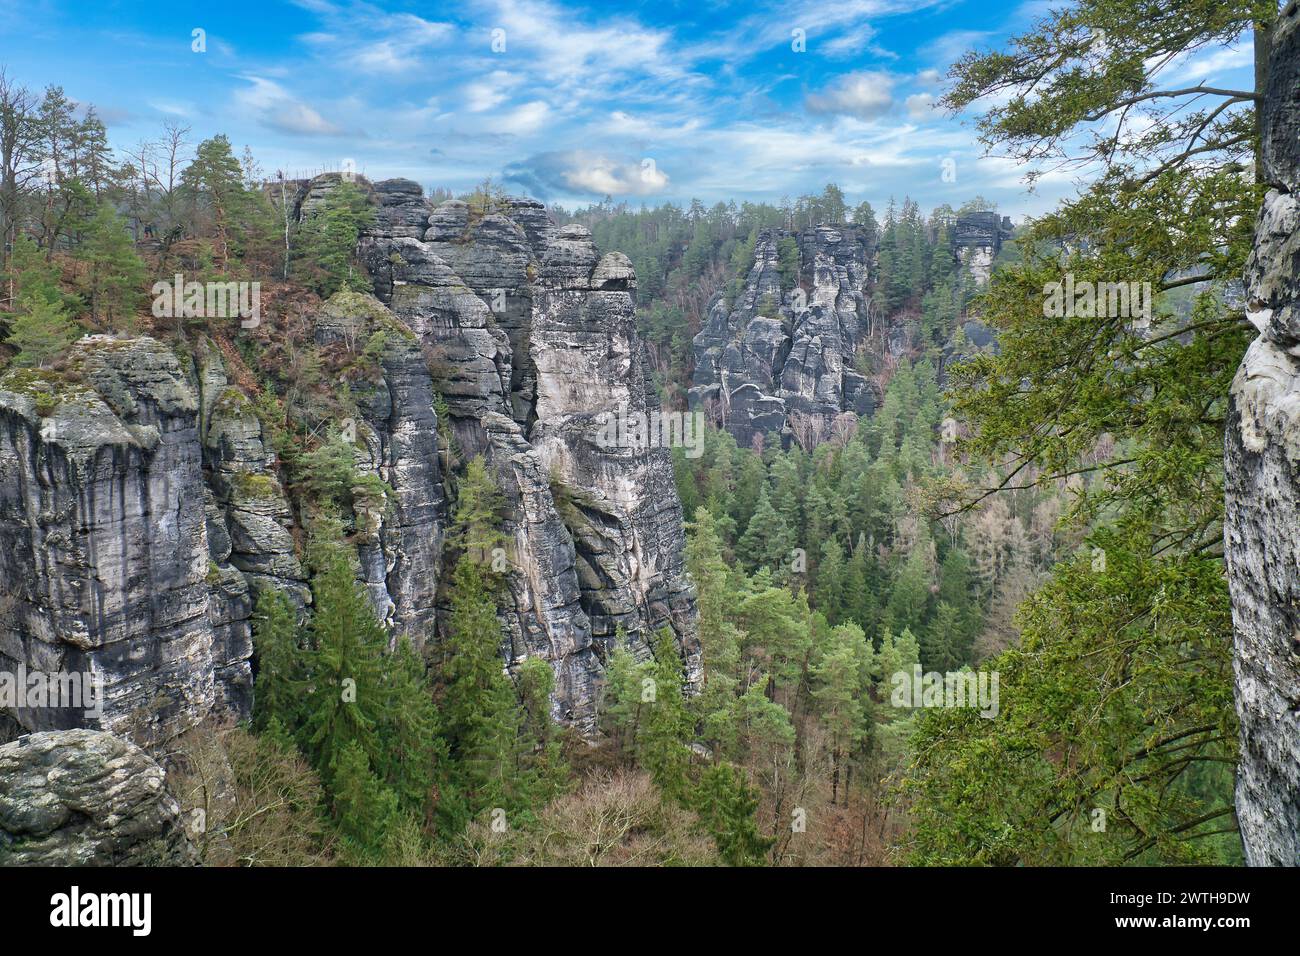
<point x="531" y="337"/>
<point x="785" y="362"/>
<point x="140" y="513"/>
<point x="1262" y="460"/>
<point x="86" y="798"/>
<point x="105" y="567"/>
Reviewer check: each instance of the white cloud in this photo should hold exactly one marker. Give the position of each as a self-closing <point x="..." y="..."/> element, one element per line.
<point x="373" y="41"/>
<point x="524" y="120"/>
<point x="947" y="49"/>
<point x="490" y="91"/>
<point x="610" y="177"/>
<point x="853" y="42"/>
<point x="920" y="106"/>
<point x="866" y="95"/>
<point x="276" y="108"/>
<point x="588" y="173"/>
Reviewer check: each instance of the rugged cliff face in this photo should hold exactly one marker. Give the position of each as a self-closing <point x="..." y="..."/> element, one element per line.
<point x="105" y="568"/>
<point x="141" y="514"/>
<point x="531" y="337"/>
<point x="145" y="513"/>
<point x="787" y="362"/>
<point x="1262" y="532"/>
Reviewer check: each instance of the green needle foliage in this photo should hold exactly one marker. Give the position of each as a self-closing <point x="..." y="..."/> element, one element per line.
<point x="1120" y="692"/>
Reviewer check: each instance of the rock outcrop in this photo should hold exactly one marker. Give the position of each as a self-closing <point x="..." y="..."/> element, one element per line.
<point x="87" y="798"/>
<point x="531" y="338"/>
<point x="145" y="509"/>
<point x="142" y="513"/>
<point x="106" y="569"/>
<point x="784" y="357"/>
<point x="977" y="239"/>
<point x="1262" y="450"/>
<point x="400" y="524"/>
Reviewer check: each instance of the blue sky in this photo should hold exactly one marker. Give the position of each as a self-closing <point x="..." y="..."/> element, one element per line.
<point x="652" y="101"/>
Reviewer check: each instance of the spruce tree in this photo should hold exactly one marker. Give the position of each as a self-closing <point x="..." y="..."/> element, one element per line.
<point x="842" y="675"/>
<point x="726" y="805"/>
<point x="480" y="715"/>
<point x="662" y="745"/>
<point x="40" y="331"/>
<point x="347" y="698"/>
<point x="768" y="540"/>
<point x="409" y="730"/>
<point x="280" y="686"/>
<point x="365" y="811"/>
<point x="830" y="587"/>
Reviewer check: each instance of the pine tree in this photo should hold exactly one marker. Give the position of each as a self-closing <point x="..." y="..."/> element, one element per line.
<point x="346" y="702"/>
<point x="213" y="185"/>
<point x="327" y="240"/>
<point x="726" y="805"/>
<point x="280" y="685"/>
<point x="114" y="275"/>
<point x="40" y="331"/>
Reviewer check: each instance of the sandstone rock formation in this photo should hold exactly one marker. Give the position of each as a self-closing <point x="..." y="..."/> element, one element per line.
<point x="146" y="512"/>
<point x="106" y="568"/>
<point x="399" y="535"/>
<point x="86" y="798"/>
<point x="1262" y="446"/>
<point x="977" y="238"/>
<point x="531" y="337"/>
<point x="141" y="512"/>
<point x="788" y="361"/>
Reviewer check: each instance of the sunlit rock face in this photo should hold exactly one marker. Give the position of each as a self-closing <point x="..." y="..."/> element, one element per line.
<point x="530" y="336"/>
<point x="1262" y="461"/>
<point x="788" y="358"/>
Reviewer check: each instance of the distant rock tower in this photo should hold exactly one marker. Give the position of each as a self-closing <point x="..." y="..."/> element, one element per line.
<point x="977" y="238"/>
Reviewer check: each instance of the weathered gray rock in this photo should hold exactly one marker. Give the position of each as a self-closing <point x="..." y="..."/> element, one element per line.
<point x="530" y="335"/>
<point x="251" y="527"/>
<point x="86" y="798"/>
<point x="1262" y="522"/>
<point x="786" y="362"/>
<point x="619" y="503"/>
<point x="105" y="565"/>
<point x="399" y="534"/>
